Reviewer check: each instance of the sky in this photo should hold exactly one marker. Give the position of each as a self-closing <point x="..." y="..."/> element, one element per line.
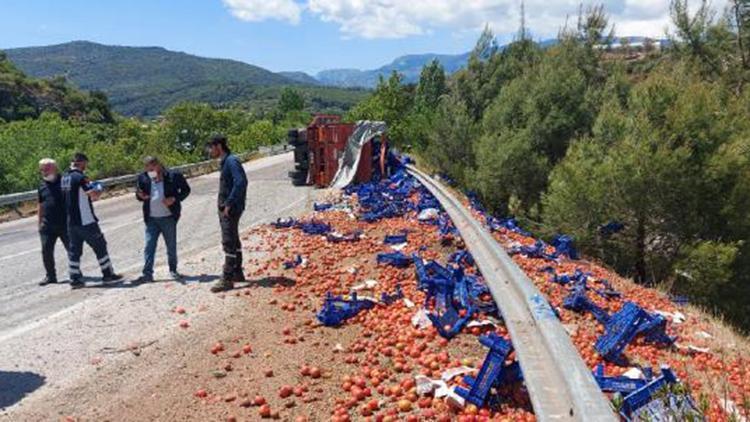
<point x="307" y="35"/>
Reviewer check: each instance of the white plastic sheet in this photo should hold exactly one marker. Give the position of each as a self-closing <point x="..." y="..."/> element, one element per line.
<point x="364" y="132"/>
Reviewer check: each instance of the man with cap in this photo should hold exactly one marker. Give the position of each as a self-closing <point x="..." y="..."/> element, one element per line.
<point x="83" y="226"/>
<point x="162" y="191"/>
<point x="52" y="218"/>
<point x="232" y="194"/>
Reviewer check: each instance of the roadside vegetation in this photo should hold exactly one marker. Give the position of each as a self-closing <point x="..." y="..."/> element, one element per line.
<point x="40" y="118"/>
<point x="641" y="154"/>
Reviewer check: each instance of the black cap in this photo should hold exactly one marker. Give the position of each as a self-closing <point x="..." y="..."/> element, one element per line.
<point x="79" y="156"/>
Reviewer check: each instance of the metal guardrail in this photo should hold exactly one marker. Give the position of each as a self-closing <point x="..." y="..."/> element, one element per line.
<point x="17" y="198"/>
<point x="560" y="385"/>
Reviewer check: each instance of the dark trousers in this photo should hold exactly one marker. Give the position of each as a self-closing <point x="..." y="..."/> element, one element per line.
<point x="167" y="228"/>
<point x="93" y="236"/>
<point x="49" y="236"/>
<point x="230" y="242"/>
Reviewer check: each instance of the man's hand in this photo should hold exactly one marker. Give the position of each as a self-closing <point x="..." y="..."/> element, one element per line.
<point x="143" y="195"/>
<point x="168" y="201"/>
<point x="94" y="194"/>
<point x="227" y="210"/>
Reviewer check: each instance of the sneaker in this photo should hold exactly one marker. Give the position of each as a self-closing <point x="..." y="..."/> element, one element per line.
<point x="48" y="280"/>
<point x="222" y="286"/>
<point x="175" y="276"/>
<point x="145" y="278"/>
<point x="111" y="277"/>
<point x="76" y="283"/>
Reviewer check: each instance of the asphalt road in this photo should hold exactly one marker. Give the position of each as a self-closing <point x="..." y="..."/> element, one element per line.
<point x="25" y="306"/>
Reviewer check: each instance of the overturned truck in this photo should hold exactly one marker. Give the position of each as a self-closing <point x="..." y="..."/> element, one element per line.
<point x="329" y="153"/>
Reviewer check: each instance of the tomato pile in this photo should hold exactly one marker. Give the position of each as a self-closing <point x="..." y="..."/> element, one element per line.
<point x="714" y="371"/>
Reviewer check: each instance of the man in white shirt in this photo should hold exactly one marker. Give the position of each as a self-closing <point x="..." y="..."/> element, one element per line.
<point x="162" y="191"/>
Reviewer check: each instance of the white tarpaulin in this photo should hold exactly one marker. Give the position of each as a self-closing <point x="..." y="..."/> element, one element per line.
<point x="349" y="162"/>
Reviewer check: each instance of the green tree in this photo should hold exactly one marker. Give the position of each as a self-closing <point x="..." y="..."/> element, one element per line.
<point x="450" y="144"/>
<point x="291" y="100"/>
<point x="431" y="85"/>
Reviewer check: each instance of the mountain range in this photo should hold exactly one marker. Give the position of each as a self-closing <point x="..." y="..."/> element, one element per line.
<point x="144" y="81"/>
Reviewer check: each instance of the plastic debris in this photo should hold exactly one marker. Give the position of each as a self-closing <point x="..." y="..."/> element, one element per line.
<point x="396" y="259"/>
<point x="564" y="246"/>
<point x="623" y="326"/>
<point x="535" y="251"/>
<point x="578" y="301"/>
<point x="284" y="223"/>
<point x="621" y="384"/>
<point x="366" y="285"/>
<point x="336" y="309"/>
<point x="451" y="373"/>
<point x="322" y="206"/>
<point x="294" y="263"/>
<point x="420" y="319"/>
<point x="491" y="371"/>
<point x="425" y="385"/>
<point x="314" y="227"/>
<point x="655" y="401"/>
<point x="391" y="298"/>
<point x="510" y="224"/>
<point x="336" y="237"/>
<point x="395" y="239"/>
<point x="676" y="317"/>
<point x="428" y="214"/>
<point x="482" y="323"/>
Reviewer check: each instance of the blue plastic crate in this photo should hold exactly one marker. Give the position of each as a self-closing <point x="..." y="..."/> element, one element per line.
<point x="315" y="227"/>
<point x="336" y="309"/>
<point x="395" y="239"/>
<point x="492" y="370"/>
<point x="396" y="259"/>
<point x="622" y="385"/>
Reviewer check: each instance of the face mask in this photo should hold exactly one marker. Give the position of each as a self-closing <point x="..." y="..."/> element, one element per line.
<point x="50" y="177"/>
<point x="152" y="174"/>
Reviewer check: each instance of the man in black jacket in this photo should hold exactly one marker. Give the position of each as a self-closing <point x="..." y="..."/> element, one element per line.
<point x="232" y="194"/>
<point x="52" y="218"/>
<point x="162" y="191"/>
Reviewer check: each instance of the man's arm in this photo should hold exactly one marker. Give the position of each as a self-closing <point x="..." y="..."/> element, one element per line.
<point x="89" y="189"/>
<point x="39" y="210"/>
<point x="140" y="193"/>
<point x="183" y="189"/>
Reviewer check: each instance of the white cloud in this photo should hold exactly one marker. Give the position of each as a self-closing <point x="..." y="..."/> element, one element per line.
<point x="371" y="19"/>
<point x="260" y="10"/>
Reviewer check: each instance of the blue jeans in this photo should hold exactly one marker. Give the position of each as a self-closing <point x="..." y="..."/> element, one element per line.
<point x="167" y="227"/>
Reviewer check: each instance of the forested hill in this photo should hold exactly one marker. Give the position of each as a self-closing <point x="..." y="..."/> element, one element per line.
<point x="22" y="97"/>
<point x="145" y="81"/>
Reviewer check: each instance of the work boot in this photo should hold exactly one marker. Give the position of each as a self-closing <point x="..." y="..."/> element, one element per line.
<point x="48" y="280"/>
<point x="222" y="285"/>
<point x="76" y="283"/>
<point x="111" y="276"/>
